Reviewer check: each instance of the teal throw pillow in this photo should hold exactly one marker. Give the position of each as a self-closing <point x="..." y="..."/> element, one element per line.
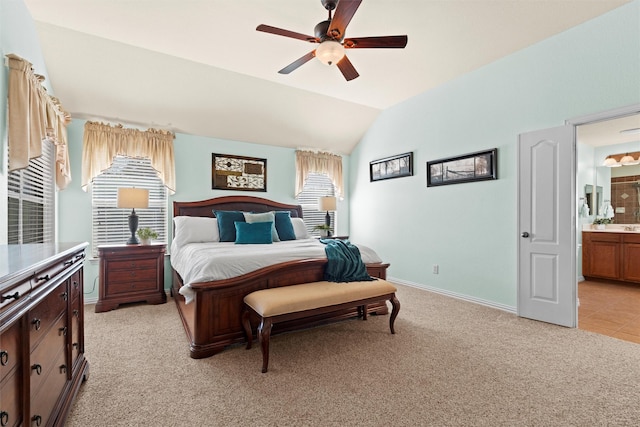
<point x="284" y="226"/>
<point x="253" y="233"/>
<point x="226" y="224"/>
<point x="252" y="217"/>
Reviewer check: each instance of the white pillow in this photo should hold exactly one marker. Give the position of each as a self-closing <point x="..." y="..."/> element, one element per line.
<point x="263" y="217"/>
<point x="195" y="229"/>
<point x="299" y="228"/>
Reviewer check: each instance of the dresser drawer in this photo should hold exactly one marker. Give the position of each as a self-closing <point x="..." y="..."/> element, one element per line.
<point x="133" y="263"/>
<point x="131" y="287"/>
<point x="42" y="316"/>
<point x="44" y="399"/>
<point x="125" y="277"/>
<point x="10" y="400"/>
<point x="41" y="362"/>
<point x="9" y="349"/>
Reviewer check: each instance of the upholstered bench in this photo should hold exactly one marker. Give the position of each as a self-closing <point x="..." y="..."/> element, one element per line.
<point x="299" y="301"/>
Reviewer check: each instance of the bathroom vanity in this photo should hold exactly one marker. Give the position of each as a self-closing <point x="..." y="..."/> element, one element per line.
<point x="612" y="253"/>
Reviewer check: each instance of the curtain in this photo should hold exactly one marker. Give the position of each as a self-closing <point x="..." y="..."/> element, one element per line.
<point x="102" y="142"/>
<point x="318" y="162"/>
<point x="35" y="116"/>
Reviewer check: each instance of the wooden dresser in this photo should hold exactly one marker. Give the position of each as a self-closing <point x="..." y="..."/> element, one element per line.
<point x="131" y="273"/>
<point x="42" y="363"/>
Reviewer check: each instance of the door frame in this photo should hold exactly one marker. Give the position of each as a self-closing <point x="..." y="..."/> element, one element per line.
<point x="585" y="120"/>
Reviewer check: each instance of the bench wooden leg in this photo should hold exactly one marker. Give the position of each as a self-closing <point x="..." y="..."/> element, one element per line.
<point x="264" y="333"/>
<point x="247" y="326"/>
<point x="394" y="313"/>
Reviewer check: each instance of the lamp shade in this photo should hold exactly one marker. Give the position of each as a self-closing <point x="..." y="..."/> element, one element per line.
<point x="611" y="162"/>
<point x="133" y="198"/>
<point x="628" y="160"/>
<point x="327" y="203"/>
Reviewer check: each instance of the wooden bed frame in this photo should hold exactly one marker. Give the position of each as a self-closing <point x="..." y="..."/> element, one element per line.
<point x="212" y="320"/>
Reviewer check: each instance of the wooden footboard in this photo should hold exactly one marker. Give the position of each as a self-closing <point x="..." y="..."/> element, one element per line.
<point x="213" y="320"/>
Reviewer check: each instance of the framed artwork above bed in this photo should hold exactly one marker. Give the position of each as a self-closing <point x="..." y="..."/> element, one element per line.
<point x="229" y="172"/>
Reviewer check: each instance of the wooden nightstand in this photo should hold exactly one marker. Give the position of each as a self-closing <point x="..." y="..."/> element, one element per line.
<point x="131" y="273"/>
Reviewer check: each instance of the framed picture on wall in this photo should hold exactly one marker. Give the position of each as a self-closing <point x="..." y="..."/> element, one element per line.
<point x="229" y="172"/>
<point x="479" y="166"/>
<point x="391" y="167"/>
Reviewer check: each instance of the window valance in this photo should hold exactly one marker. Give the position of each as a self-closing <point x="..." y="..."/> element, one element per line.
<point x="102" y="142"/>
<point x="318" y="162"/>
<point x="35" y="116"/>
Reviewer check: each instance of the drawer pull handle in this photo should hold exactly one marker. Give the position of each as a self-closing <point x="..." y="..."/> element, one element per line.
<point x="76" y="284"/>
<point x="63" y="369"/>
<point x="64" y="295"/>
<point x="36" y="324"/>
<point x="4" y="418"/>
<point x="76" y="313"/>
<point x="76" y="345"/>
<point x="37" y="419"/>
<point x="41" y="278"/>
<point x="37" y="368"/>
<point x="10" y="296"/>
<point x="80" y="256"/>
<point x="68" y="262"/>
<point x="4" y="358"/>
<point x="63" y="331"/>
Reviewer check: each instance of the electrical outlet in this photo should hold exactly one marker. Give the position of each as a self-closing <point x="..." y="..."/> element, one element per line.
<point x="436" y="268"/>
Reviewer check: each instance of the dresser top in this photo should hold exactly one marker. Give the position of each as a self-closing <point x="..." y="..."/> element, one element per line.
<point x="18" y="259"/>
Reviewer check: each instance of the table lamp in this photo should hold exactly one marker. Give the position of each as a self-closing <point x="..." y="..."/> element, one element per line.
<point x="133" y="198"/>
<point x="327" y="203"/>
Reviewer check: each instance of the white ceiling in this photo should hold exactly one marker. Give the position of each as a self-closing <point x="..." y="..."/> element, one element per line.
<point x="200" y="67"/>
<point x="610" y="132"/>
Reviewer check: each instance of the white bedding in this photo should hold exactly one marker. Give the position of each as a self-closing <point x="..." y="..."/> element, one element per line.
<point x="204" y="262"/>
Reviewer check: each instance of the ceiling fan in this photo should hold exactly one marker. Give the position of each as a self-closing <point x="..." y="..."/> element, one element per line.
<point x="330" y="36"/>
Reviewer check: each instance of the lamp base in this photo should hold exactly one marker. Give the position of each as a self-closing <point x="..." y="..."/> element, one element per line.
<point x="133" y="227"/>
<point x="327" y="222"/>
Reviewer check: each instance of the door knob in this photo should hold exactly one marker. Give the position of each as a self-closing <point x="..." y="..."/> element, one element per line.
<point x="525" y="234"/>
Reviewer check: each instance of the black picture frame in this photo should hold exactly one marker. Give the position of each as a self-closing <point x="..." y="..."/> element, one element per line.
<point x="391" y="167"/>
<point x="239" y="173"/>
<point x="478" y="166"/>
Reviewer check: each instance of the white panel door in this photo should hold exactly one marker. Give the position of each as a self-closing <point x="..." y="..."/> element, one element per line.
<point x="546" y="224"/>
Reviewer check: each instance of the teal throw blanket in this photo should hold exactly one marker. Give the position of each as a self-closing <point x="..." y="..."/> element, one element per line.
<point x="345" y="263"/>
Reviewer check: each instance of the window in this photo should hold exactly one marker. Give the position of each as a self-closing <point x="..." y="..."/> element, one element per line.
<point x="110" y="223"/>
<point x="315" y="186"/>
<point x="31" y="200"/>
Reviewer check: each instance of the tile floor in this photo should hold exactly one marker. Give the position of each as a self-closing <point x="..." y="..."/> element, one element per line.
<point x="611" y="309"/>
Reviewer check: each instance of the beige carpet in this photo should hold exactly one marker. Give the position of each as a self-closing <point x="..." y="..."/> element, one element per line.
<point x="451" y="363"/>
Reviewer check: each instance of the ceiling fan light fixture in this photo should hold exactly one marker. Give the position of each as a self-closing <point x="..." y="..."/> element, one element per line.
<point x="330" y="52"/>
<point x="611" y="162"/>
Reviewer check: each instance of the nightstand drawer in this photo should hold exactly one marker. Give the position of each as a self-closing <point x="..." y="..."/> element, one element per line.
<point x="121" y="276"/>
<point x="42" y="316"/>
<point x="133" y="263"/>
<point x="132" y="287"/>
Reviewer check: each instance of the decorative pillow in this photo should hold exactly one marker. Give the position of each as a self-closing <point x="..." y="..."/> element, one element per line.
<point x="195" y="229"/>
<point x="299" y="228"/>
<point x="253" y="233"/>
<point x="264" y="217"/>
<point x="284" y="227"/>
<point x="226" y="224"/>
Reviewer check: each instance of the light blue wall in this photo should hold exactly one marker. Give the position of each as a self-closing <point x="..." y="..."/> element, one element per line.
<point x="469" y="230"/>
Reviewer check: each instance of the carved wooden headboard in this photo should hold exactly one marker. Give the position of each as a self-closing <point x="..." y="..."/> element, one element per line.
<point x="205" y="208"/>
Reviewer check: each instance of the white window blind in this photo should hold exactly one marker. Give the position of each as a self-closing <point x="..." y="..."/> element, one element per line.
<point x="110" y="223"/>
<point x="316" y="186"/>
<point x="31" y="200"/>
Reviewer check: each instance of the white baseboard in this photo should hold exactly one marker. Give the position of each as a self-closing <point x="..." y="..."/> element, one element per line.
<point x="456" y="295"/>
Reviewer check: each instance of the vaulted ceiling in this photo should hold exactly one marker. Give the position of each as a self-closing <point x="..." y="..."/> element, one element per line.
<point x="200" y="67"/>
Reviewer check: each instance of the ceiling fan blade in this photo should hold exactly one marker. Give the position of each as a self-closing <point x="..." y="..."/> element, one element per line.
<point x="286" y="33"/>
<point x="347" y="69"/>
<point x="375" y="42"/>
<point x="298" y="62"/>
<point x="341" y="18"/>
